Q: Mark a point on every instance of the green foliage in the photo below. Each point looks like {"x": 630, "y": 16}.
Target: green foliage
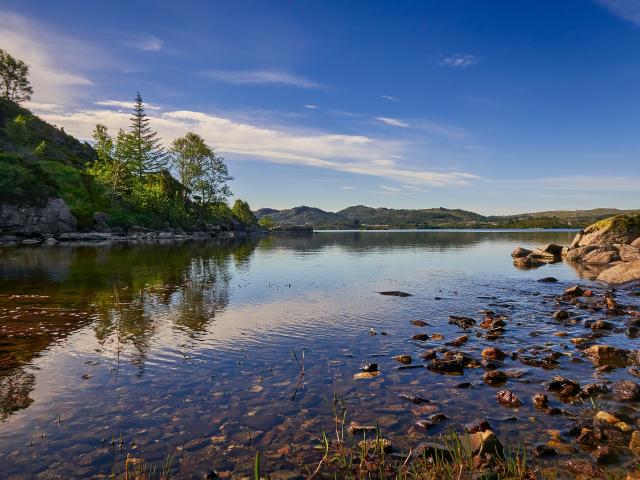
{"x": 23, "y": 181}
{"x": 16, "y": 131}
{"x": 41, "y": 149}
{"x": 143, "y": 144}
{"x": 14, "y": 81}
{"x": 267, "y": 222}
{"x": 243, "y": 213}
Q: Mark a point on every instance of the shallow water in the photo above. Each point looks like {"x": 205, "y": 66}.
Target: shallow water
{"x": 187, "y": 346}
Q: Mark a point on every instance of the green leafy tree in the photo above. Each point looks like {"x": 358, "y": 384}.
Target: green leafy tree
{"x": 17, "y": 131}
{"x": 243, "y": 213}
{"x": 189, "y": 156}
{"x": 114, "y": 166}
{"x": 147, "y": 154}
{"x": 14, "y": 81}
{"x": 267, "y": 222}
{"x": 41, "y": 149}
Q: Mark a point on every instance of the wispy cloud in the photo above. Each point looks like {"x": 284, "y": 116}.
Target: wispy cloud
{"x": 391, "y": 98}
{"x": 238, "y": 141}
{"x": 349, "y": 188}
{"x": 391, "y": 188}
{"x": 417, "y": 189}
{"x": 58, "y": 63}
{"x": 392, "y": 121}
{"x": 627, "y": 9}
{"x": 584, "y": 183}
{"x": 388, "y": 193}
{"x": 146, "y": 43}
{"x": 310, "y": 106}
{"x": 459, "y": 60}
{"x": 258, "y": 77}
{"x": 118, "y": 103}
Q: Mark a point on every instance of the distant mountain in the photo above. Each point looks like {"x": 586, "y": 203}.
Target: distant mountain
{"x": 265, "y": 211}
{"x": 302, "y": 215}
{"x": 390, "y": 216}
{"x": 361, "y": 216}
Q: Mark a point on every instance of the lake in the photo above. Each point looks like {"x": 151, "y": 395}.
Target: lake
{"x": 143, "y": 348}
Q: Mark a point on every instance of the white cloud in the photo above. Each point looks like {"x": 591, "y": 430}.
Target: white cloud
{"x": 56, "y": 63}
{"x": 146, "y": 42}
{"x": 392, "y": 121}
{"x": 461, "y": 61}
{"x": 390, "y": 98}
{"x": 257, "y": 77}
{"x": 391, "y": 188}
{"x": 349, "y": 188}
{"x": 417, "y": 189}
{"x": 627, "y": 9}
{"x": 243, "y": 141}
{"x": 121, "y": 104}
{"x": 310, "y": 106}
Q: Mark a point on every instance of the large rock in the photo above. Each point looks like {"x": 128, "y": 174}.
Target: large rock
{"x": 602, "y": 256}
{"x": 521, "y": 252}
{"x": 628, "y": 253}
{"x": 484, "y": 442}
{"x": 550, "y": 251}
{"x": 100, "y": 217}
{"x": 623, "y": 273}
{"x": 52, "y": 219}
{"x": 138, "y": 231}
{"x": 622, "y": 229}
{"x": 579, "y": 252}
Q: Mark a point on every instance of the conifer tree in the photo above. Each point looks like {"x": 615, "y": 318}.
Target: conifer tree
{"x": 148, "y": 156}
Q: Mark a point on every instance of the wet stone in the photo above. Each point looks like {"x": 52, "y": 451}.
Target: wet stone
{"x": 583, "y": 468}
{"x": 626, "y": 390}
{"x": 420, "y": 336}
{"x": 604, "y": 455}
{"x": 428, "y": 354}
{"x": 543, "y": 451}
{"x": 508, "y": 399}
{"x": 478, "y": 426}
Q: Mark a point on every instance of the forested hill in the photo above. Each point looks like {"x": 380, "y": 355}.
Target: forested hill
{"x": 374, "y": 218}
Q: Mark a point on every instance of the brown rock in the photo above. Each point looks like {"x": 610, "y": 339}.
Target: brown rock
{"x": 495, "y": 376}
{"x": 420, "y": 336}
{"x": 577, "y": 254}
{"x": 428, "y": 355}
{"x": 634, "y": 445}
{"x": 561, "y": 315}
{"x": 601, "y": 257}
{"x": 419, "y": 323}
{"x": 587, "y": 437}
{"x": 575, "y": 291}
{"x": 541, "y": 401}
{"x": 485, "y": 442}
{"x": 626, "y": 272}
{"x": 520, "y": 252}
{"x": 494, "y": 353}
{"x": 527, "y": 263}
{"x": 406, "y": 359}
{"x": 628, "y": 253}
{"x": 543, "y": 451}
{"x": 624, "y": 229}
{"x": 626, "y": 390}
{"x": 508, "y": 399}
{"x": 583, "y": 468}
{"x": 599, "y": 352}
{"x": 478, "y": 426}
{"x": 604, "y": 455}
{"x": 607, "y": 417}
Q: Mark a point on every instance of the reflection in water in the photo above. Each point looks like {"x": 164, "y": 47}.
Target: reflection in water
{"x": 188, "y": 345}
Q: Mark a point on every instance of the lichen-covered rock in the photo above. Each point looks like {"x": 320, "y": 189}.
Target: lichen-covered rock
{"x": 623, "y": 273}
{"x": 52, "y": 219}
{"x": 623, "y": 229}
{"x": 484, "y": 442}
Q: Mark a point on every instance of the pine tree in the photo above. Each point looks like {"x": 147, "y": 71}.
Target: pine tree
{"x": 148, "y": 154}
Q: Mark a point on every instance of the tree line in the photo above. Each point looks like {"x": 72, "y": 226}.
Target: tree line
{"x": 134, "y": 176}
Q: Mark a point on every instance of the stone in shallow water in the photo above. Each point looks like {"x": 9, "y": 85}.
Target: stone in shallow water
{"x": 396, "y": 293}
{"x": 508, "y": 399}
{"x": 626, "y": 390}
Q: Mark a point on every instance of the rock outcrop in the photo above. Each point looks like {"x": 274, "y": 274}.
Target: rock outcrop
{"x": 53, "y": 219}
{"x": 622, "y": 229}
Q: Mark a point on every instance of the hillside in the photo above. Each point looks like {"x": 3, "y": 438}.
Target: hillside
{"x": 364, "y": 217}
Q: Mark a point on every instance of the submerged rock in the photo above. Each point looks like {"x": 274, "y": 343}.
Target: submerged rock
{"x": 508, "y": 399}
{"x": 548, "y": 280}
{"x": 396, "y": 293}
{"x": 446, "y": 366}
{"x": 527, "y": 263}
{"x": 478, "y": 426}
{"x": 583, "y": 468}
{"x": 462, "y": 322}
{"x": 626, "y": 390}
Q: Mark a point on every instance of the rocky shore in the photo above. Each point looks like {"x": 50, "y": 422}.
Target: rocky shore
{"x": 54, "y": 224}
{"x": 609, "y": 248}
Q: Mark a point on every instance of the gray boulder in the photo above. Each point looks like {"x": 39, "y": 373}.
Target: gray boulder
{"x": 521, "y": 252}
{"x": 138, "y": 231}
{"x": 623, "y": 273}
{"x": 53, "y": 219}
{"x": 623, "y": 229}
{"x": 100, "y": 217}
{"x": 102, "y": 227}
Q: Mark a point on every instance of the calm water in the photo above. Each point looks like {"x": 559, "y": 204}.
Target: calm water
{"x": 186, "y": 346}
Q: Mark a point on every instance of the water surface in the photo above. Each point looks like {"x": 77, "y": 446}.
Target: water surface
{"x": 187, "y": 346}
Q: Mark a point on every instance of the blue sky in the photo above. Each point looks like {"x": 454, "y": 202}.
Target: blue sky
{"x": 491, "y": 106}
